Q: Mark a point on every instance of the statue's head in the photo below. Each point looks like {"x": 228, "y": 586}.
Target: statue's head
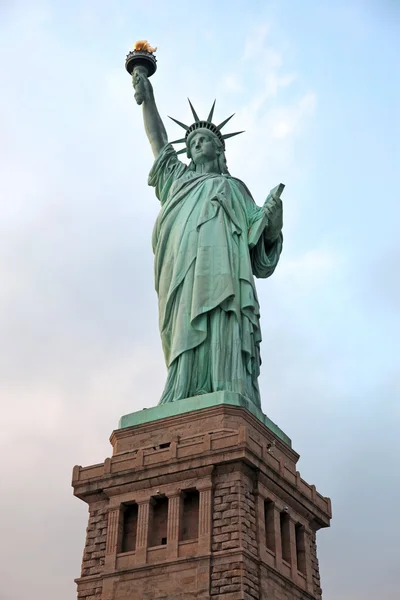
{"x": 204, "y": 141}
{"x": 202, "y": 146}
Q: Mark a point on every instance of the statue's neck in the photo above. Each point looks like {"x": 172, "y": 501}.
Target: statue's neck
{"x": 208, "y": 167}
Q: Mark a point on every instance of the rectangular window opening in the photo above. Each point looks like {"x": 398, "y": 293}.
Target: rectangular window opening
{"x": 301, "y": 547}
{"x": 189, "y": 527}
{"x": 129, "y": 527}
{"x": 285, "y": 536}
{"x": 165, "y": 445}
{"x": 158, "y": 521}
{"x": 269, "y": 517}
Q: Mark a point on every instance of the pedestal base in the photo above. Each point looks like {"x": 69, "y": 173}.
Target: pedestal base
{"x": 186, "y": 405}
{"x": 198, "y": 504}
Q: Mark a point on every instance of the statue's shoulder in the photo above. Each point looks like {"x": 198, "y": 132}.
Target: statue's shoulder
{"x": 167, "y": 154}
{"x": 241, "y": 186}
{"x": 166, "y": 165}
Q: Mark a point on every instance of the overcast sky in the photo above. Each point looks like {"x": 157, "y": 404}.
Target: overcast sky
{"x": 315, "y": 84}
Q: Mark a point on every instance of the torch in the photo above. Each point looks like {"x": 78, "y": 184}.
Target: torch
{"x": 141, "y": 60}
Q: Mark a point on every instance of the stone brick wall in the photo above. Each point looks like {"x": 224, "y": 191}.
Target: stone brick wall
{"x": 251, "y": 582}
{"x": 234, "y": 527}
{"x": 315, "y": 568}
{"x": 95, "y": 549}
{"x": 187, "y": 581}
{"x": 234, "y": 577}
{"x": 234, "y": 515}
{"x": 225, "y": 515}
{"x": 90, "y": 593}
{"x": 274, "y": 587}
{"x": 226, "y": 578}
{"x": 247, "y": 512}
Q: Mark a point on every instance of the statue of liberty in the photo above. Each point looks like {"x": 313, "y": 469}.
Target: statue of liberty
{"x": 210, "y": 240}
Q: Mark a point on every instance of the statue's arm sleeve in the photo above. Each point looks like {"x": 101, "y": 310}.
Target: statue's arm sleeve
{"x": 166, "y": 169}
{"x": 264, "y": 256}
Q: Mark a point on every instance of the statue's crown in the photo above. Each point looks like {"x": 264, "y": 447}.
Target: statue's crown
{"x": 200, "y": 124}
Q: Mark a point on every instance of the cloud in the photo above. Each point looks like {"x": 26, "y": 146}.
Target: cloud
{"x": 231, "y": 83}
{"x": 286, "y": 122}
{"x": 276, "y": 116}
{"x": 255, "y": 42}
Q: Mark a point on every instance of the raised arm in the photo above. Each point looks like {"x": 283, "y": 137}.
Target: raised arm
{"x": 153, "y": 124}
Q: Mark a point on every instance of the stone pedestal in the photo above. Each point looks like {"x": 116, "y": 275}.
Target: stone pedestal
{"x": 212, "y": 504}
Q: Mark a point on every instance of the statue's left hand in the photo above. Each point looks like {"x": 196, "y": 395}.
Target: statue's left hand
{"x": 274, "y": 210}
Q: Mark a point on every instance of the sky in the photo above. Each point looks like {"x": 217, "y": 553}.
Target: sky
{"x": 315, "y": 86}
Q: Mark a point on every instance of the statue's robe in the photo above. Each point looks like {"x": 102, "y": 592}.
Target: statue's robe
{"x": 208, "y": 241}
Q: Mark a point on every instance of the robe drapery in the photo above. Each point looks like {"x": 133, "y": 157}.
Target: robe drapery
{"x": 209, "y": 242}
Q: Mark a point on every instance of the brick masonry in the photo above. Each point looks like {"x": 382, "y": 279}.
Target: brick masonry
{"x": 95, "y": 550}
{"x": 315, "y": 568}
{"x": 234, "y": 527}
{"x": 235, "y": 463}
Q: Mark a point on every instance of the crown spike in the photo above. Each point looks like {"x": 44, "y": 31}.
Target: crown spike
{"x": 186, "y": 127}
{"x": 221, "y": 125}
{"x": 181, "y": 141}
{"x": 229, "y": 135}
{"x": 210, "y": 116}
{"x": 182, "y": 150}
{"x": 194, "y": 113}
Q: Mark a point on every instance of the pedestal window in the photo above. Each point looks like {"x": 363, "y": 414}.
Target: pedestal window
{"x": 300, "y": 548}
{"x": 189, "y": 527}
{"x": 285, "y": 536}
{"x": 158, "y": 523}
{"x": 129, "y": 527}
{"x": 269, "y": 517}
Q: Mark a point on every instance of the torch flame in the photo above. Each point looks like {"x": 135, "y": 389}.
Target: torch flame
{"x": 144, "y": 45}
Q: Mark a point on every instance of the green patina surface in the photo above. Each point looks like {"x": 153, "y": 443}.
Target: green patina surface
{"x": 180, "y": 407}
{"x": 210, "y": 241}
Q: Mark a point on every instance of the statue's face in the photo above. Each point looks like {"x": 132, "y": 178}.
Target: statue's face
{"x": 203, "y": 148}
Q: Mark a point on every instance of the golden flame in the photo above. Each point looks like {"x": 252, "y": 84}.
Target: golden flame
{"x": 144, "y": 46}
